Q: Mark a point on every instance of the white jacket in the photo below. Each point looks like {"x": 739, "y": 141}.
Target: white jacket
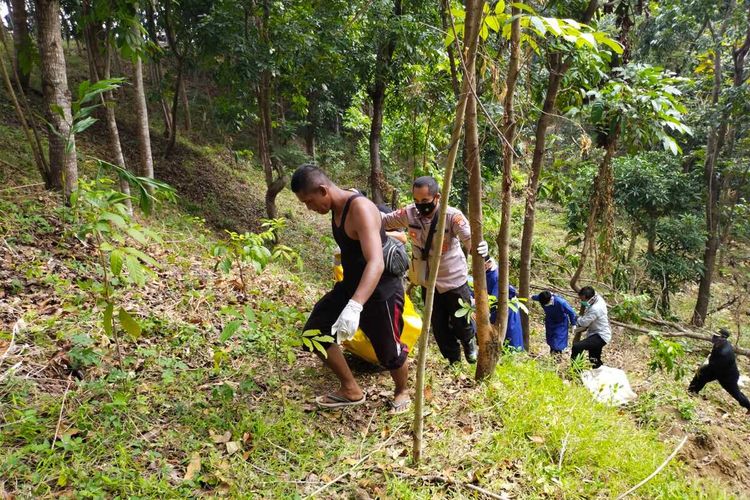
{"x": 596, "y": 320}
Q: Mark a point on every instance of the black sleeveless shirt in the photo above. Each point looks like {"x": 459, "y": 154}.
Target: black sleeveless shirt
{"x": 353, "y": 260}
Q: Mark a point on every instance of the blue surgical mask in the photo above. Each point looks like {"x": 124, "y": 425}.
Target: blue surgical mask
{"x": 585, "y": 303}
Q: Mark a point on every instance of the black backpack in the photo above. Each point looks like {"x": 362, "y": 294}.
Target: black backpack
{"x": 395, "y": 257}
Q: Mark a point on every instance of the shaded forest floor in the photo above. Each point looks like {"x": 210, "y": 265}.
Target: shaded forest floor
{"x": 188, "y": 415}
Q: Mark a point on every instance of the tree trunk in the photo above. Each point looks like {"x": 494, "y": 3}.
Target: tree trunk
{"x": 602, "y": 183}
{"x": 470, "y": 41}
{"x": 169, "y": 31}
{"x": 444, "y": 12}
{"x": 377, "y": 96}
{"x": 509, "y": 141}
{"x": 185, "y": 105}
{"x": 716, "y": 140}
{"x": 311, "y": 126}
{"x": 99, "y": 66}
{"x": 488, "y": 343}
{"x": 376, "y": 169}
{"x": 274, "y": 174}
{"x": 62, "y": 147}
{"x": 144, "y": 135}
{"x": 633, "y": 241}
{"x": 557, "y": 69}
{"x": 21, "y": 42}
{"x": 156, "y": 70}
{"x": 21, "y": 112}
{"x": 175, "y": 102}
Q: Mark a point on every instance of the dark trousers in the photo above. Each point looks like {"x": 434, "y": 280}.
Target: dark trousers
{"x": 728, "y": 382}
{"x": 448, "y": 329}
{"x": 594, "y": 345}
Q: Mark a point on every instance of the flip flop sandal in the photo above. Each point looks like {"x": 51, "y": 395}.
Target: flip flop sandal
{"x": 399, "y": 407}
{"x": 335, "y": 401}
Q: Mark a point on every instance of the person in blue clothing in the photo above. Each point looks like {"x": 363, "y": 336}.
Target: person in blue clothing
{"x": 513, "y": 333}
{"x": 558, "y": 317}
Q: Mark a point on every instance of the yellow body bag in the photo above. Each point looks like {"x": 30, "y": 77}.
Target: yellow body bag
{"x": 360, "y": 345}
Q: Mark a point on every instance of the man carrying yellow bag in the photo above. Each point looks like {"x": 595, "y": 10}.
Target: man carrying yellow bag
{"x": 360, "y": 345}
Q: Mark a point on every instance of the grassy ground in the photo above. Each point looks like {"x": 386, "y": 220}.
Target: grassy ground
{"x": 241, "y": 409}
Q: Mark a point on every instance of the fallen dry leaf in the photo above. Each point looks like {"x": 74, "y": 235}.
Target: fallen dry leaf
{"x": 193, "y": 467}
{"x": 233, "y": 447}
{"x": 536, "y": 439}
{"x": 220, "y": 438}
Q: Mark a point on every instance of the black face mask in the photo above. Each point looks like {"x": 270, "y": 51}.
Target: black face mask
{"x": 426, "y": 208}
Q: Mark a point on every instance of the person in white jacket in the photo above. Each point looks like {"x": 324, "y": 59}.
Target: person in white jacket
{"x": 593, "y": 325}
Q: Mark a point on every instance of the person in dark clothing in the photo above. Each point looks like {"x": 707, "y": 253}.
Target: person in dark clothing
{"x": 367, "y": 298}
{"x": 722, "y": 367}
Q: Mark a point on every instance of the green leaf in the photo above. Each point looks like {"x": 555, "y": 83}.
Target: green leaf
{"x": 136, "y": 235}
{"x": 129, "y": 324}
{"x": 249, "y": 314}
{"x": 57, "y": 109}
{"x": 320, "y": 348}
{"x": 492, "y": 23}
{"x": 115, "y": 261}
{"x": 229, "y": 330}
{"x": 135, "y": 270}
{"x": 107, "y": 321}
{"x": 524, "y": 7}
{"x": 484, "y": 32}
{"x": 147, "y": 259}
{"x": 553, "y": 25}
{"x": 308, "y": 343}
{"x": 612, "y": 44}
{"x": 113, "y": 218}
{"x": 500, "y": 7}
{"x": 539, "y": 26}
{"x": 82, "y": 125}
{"x": 449, "y": 38}
{"x": 589, "y": 39}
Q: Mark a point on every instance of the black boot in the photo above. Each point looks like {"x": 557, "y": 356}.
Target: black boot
{"x": 471, "y": 351}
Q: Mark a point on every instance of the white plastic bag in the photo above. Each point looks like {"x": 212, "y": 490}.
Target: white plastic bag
{"x": 608, "y": 385}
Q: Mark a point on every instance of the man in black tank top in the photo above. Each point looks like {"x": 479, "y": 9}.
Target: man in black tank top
{"x": 367, "y": 298}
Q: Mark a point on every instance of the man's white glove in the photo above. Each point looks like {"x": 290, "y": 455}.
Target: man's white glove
{"x": 346, "y": 325}
{"x": 482, "y": 249}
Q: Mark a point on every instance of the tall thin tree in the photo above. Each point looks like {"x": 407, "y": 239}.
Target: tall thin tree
{"x": 57, "y": 100}
{"x": 21, "y": 42}
{"x": 510, "y": 125}
{"x": 488, "y": 343}
{"x": 558, "y": 65}
{"x": 716, "y": 139}
{"x": 383, "y": 67}
{"x": 471, "y": 36}
{"x": 99, "y": 68}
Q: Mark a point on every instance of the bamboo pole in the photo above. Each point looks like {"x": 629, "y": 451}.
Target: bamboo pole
{"x": 472, "y": 39}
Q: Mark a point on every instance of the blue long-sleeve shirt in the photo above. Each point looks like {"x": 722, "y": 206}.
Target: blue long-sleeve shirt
{"x": 558, "y": 316}
{"x": 514, "y": 332}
